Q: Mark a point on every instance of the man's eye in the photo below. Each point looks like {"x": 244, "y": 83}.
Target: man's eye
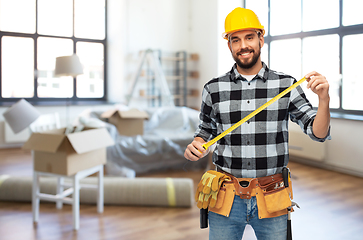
{"x": 235, "y": 40}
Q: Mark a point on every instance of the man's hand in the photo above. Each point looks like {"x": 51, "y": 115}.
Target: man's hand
{"x": 195, "y": 150}
{"x": 318, "y": 84}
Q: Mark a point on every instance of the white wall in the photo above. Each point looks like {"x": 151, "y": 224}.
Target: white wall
{"x": 117, "y": 48}
{"x": 177, "y": 25}
{"x": 204, "y": 35}
{"x": 344, "y": 152}
{"x": 345, "y": 149}
{"x": 136, "y": 25}
{"x": 158, "y": 24}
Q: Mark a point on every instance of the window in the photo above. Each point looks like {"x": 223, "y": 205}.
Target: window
{"x": 324, "y": 36}
{"x": 33, "y": 33}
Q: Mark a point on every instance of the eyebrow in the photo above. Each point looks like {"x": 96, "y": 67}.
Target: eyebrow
{"x": 248, "y": 35}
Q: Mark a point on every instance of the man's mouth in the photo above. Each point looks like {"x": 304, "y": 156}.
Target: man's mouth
{"x": 245, "y": 54}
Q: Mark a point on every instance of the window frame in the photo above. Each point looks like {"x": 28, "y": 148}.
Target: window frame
{"x": 341, "y": 31}
{"x": 74, "y": 100}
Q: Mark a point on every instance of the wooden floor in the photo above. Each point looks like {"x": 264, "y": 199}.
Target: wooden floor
{"x": 331, "y": 208}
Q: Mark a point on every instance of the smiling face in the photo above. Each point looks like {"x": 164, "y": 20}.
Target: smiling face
{"x": 245, "y": 47}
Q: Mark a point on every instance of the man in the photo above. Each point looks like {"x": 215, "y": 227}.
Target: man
{"x": 259, "y": 147}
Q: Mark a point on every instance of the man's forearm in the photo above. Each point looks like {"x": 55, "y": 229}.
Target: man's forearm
{"x": 322, "y": 120}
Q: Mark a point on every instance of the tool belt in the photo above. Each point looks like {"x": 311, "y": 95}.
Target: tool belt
{"x": 273, "y": 198}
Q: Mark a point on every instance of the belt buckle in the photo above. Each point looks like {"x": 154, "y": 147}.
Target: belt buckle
{"x": 244, "y": 185}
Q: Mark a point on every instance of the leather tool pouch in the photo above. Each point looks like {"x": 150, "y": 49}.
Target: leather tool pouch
{"x": 272, "y": 197}
{"x": 225, "y": 199}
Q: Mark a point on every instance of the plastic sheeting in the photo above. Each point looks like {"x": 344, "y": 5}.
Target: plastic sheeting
{"x": 166, "y": 135}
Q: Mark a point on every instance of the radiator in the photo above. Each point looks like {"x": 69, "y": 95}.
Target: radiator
{"x": 302, "y": 146}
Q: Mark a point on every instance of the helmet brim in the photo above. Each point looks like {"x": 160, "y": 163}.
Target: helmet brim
{"x": 226, "y": 35}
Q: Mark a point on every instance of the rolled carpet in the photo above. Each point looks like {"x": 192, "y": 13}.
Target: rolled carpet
{"x": 164, "y": 192}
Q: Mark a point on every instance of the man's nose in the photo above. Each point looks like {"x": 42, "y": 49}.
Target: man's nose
{"x": 243, "y": 44}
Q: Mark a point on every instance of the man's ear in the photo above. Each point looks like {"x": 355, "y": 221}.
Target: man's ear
{"x": 229, "y": 45}
{"x": 262, "y": 40}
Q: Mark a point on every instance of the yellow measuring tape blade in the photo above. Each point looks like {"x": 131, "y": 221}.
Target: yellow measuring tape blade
{"x": 249, "y": 116}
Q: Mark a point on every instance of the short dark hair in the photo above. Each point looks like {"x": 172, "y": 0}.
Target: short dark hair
{"x": 258, "y": 32}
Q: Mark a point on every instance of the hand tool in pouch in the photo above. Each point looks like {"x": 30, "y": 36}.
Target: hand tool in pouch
{"x": 203, "y": 218}
{"x": 286, "y": 176}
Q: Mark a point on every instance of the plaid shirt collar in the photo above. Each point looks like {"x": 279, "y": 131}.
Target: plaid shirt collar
{"x": 262, "y": 74}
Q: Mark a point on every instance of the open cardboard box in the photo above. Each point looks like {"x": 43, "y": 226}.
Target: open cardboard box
{"x": 56, "y": 152}
{"x": 128, "y": 123}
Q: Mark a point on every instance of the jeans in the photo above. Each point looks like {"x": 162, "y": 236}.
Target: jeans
{"x": 243, "y": 212}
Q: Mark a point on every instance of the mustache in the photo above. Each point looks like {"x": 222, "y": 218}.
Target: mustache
{"x": 245, "y": 50}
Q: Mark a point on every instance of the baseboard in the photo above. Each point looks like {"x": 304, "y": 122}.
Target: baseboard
{"x": 11, "y": 145}
{"x": 323, "y": 165}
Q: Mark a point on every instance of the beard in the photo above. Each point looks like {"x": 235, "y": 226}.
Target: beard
{"x": 247, "y": 64}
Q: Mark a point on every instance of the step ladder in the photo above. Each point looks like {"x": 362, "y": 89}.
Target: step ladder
{"x": 151, "y": 57}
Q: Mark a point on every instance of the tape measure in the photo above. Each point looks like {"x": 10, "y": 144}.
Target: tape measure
{"x": 249, "y": 116}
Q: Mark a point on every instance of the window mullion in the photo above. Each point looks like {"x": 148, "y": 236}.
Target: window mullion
{"x": 341, "y": 56}
{"x": 35, "y": 67}
{"x": 35, "y": 37}
{"x": 74, "y": 97}
{"x": 1, "y": 96}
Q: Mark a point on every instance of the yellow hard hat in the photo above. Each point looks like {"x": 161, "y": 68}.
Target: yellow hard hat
{"x": 240, "y": 19}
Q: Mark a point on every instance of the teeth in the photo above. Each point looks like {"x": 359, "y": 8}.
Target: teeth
{"x": 245, "y": 54}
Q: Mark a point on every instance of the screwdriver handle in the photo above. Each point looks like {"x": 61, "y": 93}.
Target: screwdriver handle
{"x": 203, "y": 218}
{"x": 285, "y": 176}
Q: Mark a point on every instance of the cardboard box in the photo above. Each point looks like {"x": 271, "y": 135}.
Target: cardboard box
{"x": 128, "y": 123}
{"x": 55, "y": 152}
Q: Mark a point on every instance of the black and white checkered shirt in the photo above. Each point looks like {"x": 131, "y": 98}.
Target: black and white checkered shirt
{"x": 259, "y": 147}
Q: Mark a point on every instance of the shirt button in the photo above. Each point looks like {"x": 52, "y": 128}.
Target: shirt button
{"x": 249, "y": 84}
{"x": 248, "y": 122}
{"x": 248, "y": 101}
{"x": 248, "y": 142}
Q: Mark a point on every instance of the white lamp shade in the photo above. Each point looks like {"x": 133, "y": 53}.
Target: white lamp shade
{"x": 20, "y": 115}
{"x": 68, "y": 66}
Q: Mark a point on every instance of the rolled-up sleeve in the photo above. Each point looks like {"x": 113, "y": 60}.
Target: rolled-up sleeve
{"x": 302, "y": 113}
